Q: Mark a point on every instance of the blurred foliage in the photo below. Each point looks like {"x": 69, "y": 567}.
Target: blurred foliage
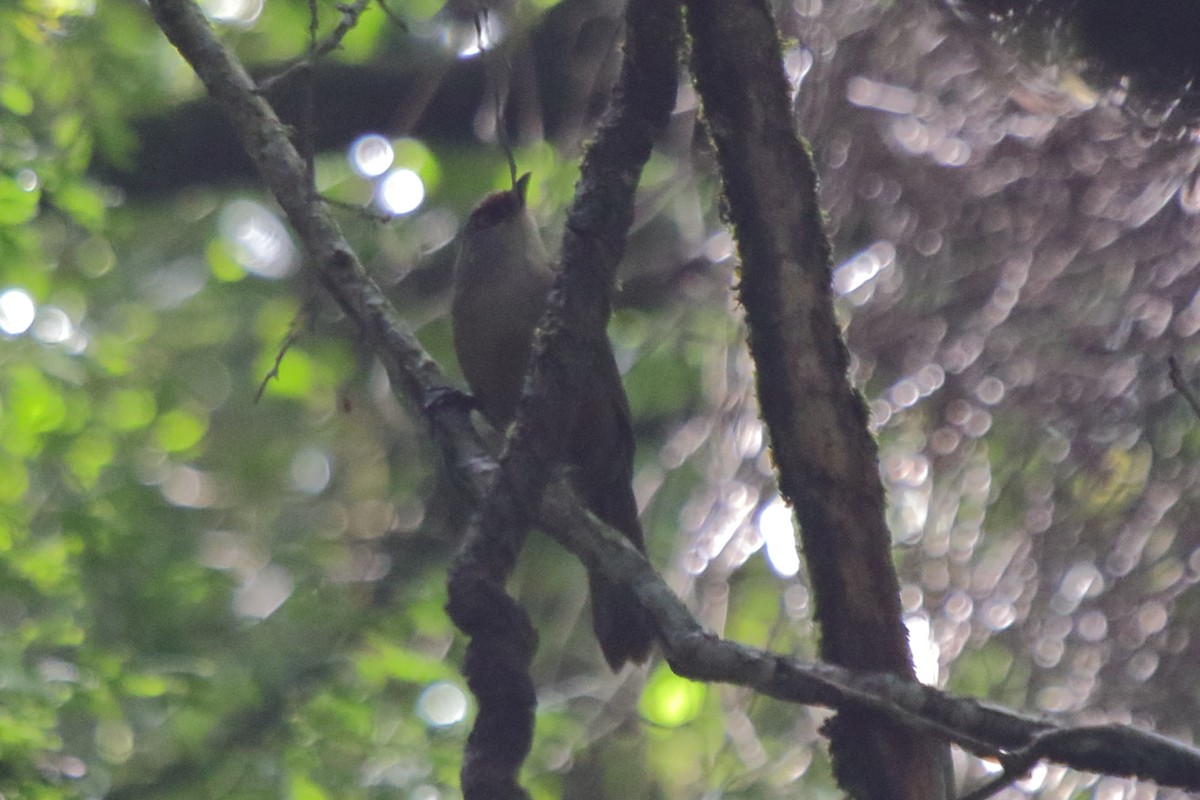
{"x": 202, "y": 594}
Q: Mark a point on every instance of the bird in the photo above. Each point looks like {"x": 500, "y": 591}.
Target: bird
{"x": 502, "y": 276}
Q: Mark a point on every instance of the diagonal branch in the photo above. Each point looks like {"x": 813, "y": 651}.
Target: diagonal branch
{"x": 987, "y": 730}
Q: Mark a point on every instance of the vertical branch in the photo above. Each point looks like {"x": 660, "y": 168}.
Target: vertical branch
{"x": 501, "y": 647}
{"x": 825, "y": 455}
{"x": 573, "y": 342}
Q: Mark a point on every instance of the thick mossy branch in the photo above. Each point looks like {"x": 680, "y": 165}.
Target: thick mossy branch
{"x": 817, "y": 423}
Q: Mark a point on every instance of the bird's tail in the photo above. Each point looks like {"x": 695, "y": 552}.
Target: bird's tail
{"x": 622, "y": 628}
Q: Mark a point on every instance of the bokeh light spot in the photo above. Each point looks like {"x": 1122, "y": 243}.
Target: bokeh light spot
{"x": 669, "y": 700}
{"x": 53, "y": 326}
{"x": 1142, "y": 665}
{"x": 371, "y": 155}
{"x": 310, "y": 470}
{"x": 187, "y": 487}
{"x": 1152, "y": 617}
{"x": 990, "y": 390}
{"x": 257, "y": 239}
{"x": 998, "y": 615}
{"x": 862, "y": 267}
{"x": 401, "y": 192}
{"x": 114, "y": 740}
{"x": 264, "y": 592}
{"x": 775, "y": 527}
{"x": 17, "y": 311}
{"x": 176, "y": 283}
{"x": 242, "y": 13}
{"x": 467, "y": 42}
{"x": 1092, "y": 626}
{"x": 442, "y": 704}
{"x": 924, "y": 648}
{"x": 27, "y": 180}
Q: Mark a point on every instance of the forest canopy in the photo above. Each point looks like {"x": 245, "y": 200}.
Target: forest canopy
{"x": 224, "y": 538}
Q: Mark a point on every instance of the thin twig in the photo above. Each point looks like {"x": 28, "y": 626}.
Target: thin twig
{"x": 293, "y": 335}
{"x": 481, "y": 39}
{"x": 308, "y": 110}
{"x": 392, "y": 16}
{"x": 1181, "y": 384}
{"x": 360, "y": 210}
{"x": 317, "y": 49}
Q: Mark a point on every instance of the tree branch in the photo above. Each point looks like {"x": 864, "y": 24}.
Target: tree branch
{"x": 825, "y": 456}
{"x": 570, "y": 354}
{"x": 984, "y": 729}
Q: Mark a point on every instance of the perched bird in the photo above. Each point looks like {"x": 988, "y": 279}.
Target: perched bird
{"x": 501, "y": 278}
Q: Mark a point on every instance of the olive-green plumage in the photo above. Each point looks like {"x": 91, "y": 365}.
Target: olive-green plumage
{"x": 501, "y": 280}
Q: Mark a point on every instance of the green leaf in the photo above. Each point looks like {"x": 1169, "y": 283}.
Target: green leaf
{"x": 178, "y": 430}
{"x": 83, "y": 203}
{"x": 16, "y": 98}
{"x": 37, "y": 405}
{"x": 224, "y": 266}
{"x": 46, "y": 564}
{"x": 303, "y": 788}
{"x": 17, "y": 206}
{"x": 88, "y": 455}
{"x": 387, "y": 662}
{"x": 145, "y": 685}
{"x": 130, "y": 409}
{"x": 14, "y": 482}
